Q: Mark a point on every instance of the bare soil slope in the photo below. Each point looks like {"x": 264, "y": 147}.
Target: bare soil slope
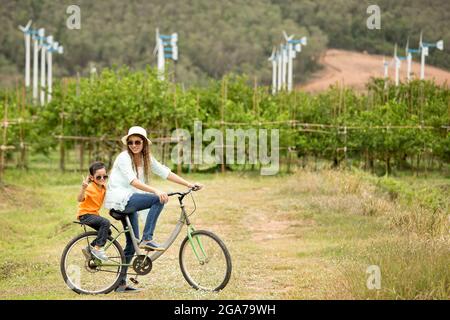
{"x": 354, "y": 69}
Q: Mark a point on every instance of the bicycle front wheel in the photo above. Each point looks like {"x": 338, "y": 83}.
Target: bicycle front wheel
{"x": 205, "y": 261}
{"x": 85, "y": 274}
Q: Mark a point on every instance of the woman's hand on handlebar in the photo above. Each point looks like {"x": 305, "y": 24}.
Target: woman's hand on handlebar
{"x": 163, "y": 197}
{"x": 195, "y": 186}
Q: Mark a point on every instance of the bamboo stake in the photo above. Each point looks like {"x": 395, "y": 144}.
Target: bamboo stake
{"x": 222, "y": 112}
{"x": 61, "y": 142}
{"x": 345, "y": 129}
{"x": 176, "y": 127}
{"x": 24, "y": 99}
{"x": 22, "y": 161}
{"x": 90, "y": 152}
{"x": 161, "y": 145}
{"x": 197, "y": 117}
{"x": 81, "y": 156}
{"x": 4, "y": 147}
{"x": 255, "y": 96}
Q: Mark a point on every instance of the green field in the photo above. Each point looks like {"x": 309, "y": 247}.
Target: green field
{"x": 309, "y": 235}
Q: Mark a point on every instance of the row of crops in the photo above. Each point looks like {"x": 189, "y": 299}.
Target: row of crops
{"x": 386, "y": 126}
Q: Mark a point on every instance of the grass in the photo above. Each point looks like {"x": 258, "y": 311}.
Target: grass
{"x": 309, "y": 235}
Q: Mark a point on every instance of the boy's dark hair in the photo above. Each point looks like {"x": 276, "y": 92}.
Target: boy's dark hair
{"x": 96, "y": 166}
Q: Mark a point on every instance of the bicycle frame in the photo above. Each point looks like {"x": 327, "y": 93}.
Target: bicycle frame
{"x": 176, "y": 231}
{"x": 184, "y": 219}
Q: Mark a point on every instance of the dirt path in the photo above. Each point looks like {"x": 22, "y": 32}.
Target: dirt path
{"x": 291, "y": 271}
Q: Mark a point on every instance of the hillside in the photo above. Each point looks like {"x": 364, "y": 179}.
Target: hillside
{"x": 354, "y": 69}
{"x": 215, "y": 37}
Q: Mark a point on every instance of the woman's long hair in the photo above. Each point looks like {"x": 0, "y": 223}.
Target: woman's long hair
{"x": 145, "y": 157}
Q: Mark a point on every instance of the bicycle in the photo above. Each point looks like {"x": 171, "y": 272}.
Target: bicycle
{"x": 203, "y": 257}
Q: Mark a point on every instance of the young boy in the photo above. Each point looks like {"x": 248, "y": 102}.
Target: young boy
{"x": 91, "y": 199}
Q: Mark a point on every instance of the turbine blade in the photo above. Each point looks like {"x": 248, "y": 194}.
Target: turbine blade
{"x": 25, "y": 29}
{"x": 272, "y": 56}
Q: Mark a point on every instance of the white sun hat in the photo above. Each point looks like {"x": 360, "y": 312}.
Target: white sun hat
{"x": 135, "y": 130}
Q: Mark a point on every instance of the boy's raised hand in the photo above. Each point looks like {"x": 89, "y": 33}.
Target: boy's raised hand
{"x": 85, "y": 182}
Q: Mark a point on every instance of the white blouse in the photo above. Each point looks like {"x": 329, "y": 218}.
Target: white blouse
{"x": 119, "y": 189}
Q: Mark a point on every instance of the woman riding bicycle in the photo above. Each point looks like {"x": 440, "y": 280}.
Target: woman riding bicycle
{"x": 128, "y": 191}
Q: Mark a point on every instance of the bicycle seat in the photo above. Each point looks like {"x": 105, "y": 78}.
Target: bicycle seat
{"x": 118, "y": 215}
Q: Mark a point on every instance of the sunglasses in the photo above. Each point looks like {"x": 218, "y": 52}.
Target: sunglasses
{"x": 101, "y": 177}
{"x": 136, "y": 143}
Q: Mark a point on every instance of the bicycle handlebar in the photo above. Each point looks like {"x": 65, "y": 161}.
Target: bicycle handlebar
{"x": 182, "y": 193}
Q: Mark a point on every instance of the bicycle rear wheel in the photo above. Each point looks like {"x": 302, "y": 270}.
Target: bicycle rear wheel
{"x": 205, "y": 261}
{"x": 86, "y": 274}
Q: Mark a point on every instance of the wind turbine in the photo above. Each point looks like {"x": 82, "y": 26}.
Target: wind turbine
{"x": 409, "y": 53}
{"x": 37, "y": 34}
{"x": 303, "y": 41}
{"x": 46, "y": 45}
{"x": 293, "y": 47}
{"x": 170, "y": 47}
{"x": 279, "y": 58}
{"x": 298, "y": 44}
{"x": 423, "y": 54}
{"x": 424, "y": 49}
{"x": 42, "y": 45}
{"x": 398, "y": 64}
{"x": 27, "y": 34}
{"x": 159, "y": 51}
{"x": 409, "y": 60}
{"x": 48, "y": 48}
{"x": 174, "y": 46}
{"x": 290, "y": 57}
{"x": 273, "y": 58}
{"x": 166, "y": 47}
{"x": 52, "y": 46}
{"x": 386, "y": 68}
{"x": 285, "y": 66}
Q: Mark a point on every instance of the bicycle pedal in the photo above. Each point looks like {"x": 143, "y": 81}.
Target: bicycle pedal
{"x": 134, "y": 281}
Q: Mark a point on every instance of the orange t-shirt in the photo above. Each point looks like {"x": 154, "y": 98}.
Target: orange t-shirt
{"x": 93, "y": 200}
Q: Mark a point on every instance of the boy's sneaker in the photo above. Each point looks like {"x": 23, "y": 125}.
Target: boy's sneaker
{"x": 150, "y": 245}
{"x": 86, "y": 253}
{"x": 125, "y": 289}
{"x": 99, "y": 254}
